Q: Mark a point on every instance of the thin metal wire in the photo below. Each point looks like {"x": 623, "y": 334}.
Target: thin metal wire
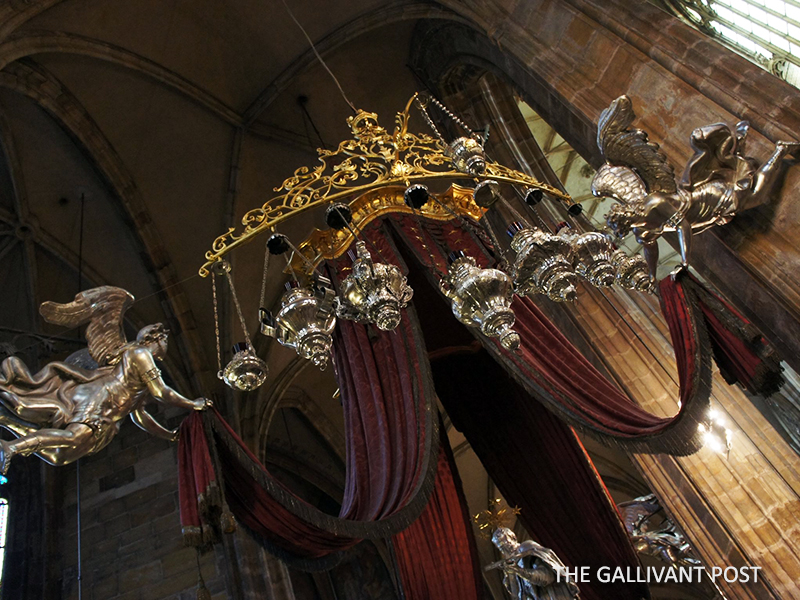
{"x": 358, "y": 234}
{"x": 216, "y": 321}
{"x": 262, "y": 300}
{"x": 238, "y": 308}
{"x": 479, "y": 232}
{"x": 317, "y": 54}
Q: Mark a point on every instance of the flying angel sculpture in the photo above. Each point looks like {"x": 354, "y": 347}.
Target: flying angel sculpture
{"x": 66, "y": 411}
{"x": 655, "y": 537}
{"x": 718, "y": 181}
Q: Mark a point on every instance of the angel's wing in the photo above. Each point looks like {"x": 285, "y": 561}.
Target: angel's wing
{"x": 622, "y": 146}
{"x": 103, "y": 308}
{"x": 636, "y": 512}
{"x": 620, "y": 183}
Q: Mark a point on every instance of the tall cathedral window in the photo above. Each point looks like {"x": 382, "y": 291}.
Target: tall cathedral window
{"x": 765, "y": 31}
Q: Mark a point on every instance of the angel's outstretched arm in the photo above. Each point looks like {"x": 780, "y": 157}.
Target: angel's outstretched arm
{"x": 684, "y": 230}
{"x": 651, "y": 256}
{"x": 151, "y": 375}
{"x": 145, "y": 421}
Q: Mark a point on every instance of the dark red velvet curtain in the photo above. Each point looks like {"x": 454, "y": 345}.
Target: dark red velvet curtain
{"x": 538, "y": 464}
{"x": 553, "y": 371}
{"x": 392, "y": 450}
{"x": 436, "y": 555}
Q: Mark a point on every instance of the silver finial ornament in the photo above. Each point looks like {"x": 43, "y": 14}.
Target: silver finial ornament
{"x": 245, "y": 371}
{"x": 591, "y": 253}
{"x": 305, "y": 322}
{"x": 543, "y": 264}
{"x": 482, "y": 298}
{"x": 632, "y": 272}
{"x": 467, "y": 155}
{"x": 373, "y": 292}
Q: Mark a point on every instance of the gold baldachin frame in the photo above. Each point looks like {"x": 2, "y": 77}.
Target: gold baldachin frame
{"x": 373, "y": 159}
{"x": 327, "y": 244}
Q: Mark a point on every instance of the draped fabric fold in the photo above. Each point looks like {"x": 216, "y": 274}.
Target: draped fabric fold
{"x": 436, "y": 555}
{"x": 554, "y": 371}
{"x": 539, "y": 465}
{"x": 741, "y": 352}
{"x": 391, "y": 443}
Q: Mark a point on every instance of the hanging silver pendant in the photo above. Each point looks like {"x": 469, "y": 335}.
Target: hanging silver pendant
{"x": 592, "y": 257}
{"x": 482, "y": 298}
{"x": 543, "y": 264}
{"x": 305, "y": 322}
{"x": 373, "y": 292}
{"x": 632, "y": 272}
{"x": 246, "y": 371}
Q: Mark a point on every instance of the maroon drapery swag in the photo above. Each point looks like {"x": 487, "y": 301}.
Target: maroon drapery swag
{"x": 437, "y": 556}
{"x": 392, "y": 443}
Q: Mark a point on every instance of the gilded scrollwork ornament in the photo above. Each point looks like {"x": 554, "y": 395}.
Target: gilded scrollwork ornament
{"x": 372, "y": 159}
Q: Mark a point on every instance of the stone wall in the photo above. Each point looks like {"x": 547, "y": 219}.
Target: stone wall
{"x": 131, "y": 541}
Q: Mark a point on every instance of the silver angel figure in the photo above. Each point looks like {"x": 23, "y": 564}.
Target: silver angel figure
{"x": 655, "y": 537}
{"x": 531, "y": 571}
{"x": 718, "y": 181}
{"x": 64, "y": 411}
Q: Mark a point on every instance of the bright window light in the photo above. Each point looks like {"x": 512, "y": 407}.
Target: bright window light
{"x": 765, "y": 31}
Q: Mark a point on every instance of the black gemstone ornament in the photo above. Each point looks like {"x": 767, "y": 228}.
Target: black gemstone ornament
{"x": 575, "y": 210}
{"x": 416, "y": 195}
{"x": 338, "y": 216}
{"x": 454, "y": 256}
{"x": 533, "y": 196}
{"x": 278, "y": 244}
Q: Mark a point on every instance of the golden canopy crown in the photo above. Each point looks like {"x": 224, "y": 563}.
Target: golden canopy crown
{"x": 372, "y": 159}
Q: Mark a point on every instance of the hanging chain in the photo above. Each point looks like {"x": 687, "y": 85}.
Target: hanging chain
{"x": 262, "y": 300}
{"x": 238, "y": 307}
{"x": 420, "y": 236}
{"x": 424, "y": 110}
{"x": 216, "y": 321}
{"x": 480, "y": 232}
{"x": 423, "y": 106}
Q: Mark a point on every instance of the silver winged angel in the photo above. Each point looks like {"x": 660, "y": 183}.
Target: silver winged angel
{"x": 719, "y": 180}
{"x": 531, "y": 571}
{"x": 662, "y": 539}
{"x": 65, "y": 411}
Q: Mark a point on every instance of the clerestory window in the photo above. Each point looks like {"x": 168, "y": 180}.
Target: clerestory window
{"x": 765, "y": 31}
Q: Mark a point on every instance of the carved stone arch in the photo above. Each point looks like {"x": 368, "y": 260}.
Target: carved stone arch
{"x": 30, "y": 43}
{"x": 446, "y": 48}
{"x": 34, "y": 82}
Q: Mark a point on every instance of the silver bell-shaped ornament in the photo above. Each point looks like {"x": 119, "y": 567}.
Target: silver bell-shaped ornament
{"x": 467, "y": 155}
{"x": 373, "y": 292}
{"x": 481, "y": 298}
{"x": 632, "y": 272}
{"x": 543, "y": 264}
{"x": 305, "y": 321}
{"x": 246, "y": 371}
{"x": 591, "y": 253}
